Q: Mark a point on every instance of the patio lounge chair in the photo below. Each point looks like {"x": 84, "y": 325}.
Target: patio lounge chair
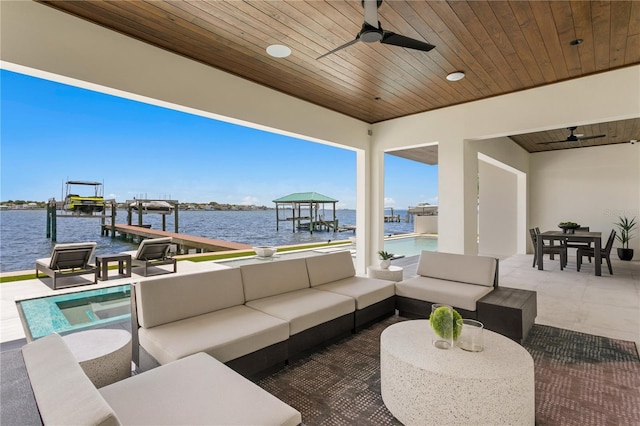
{"x": 68, "y": 260}
{"x": 152, "y": 252}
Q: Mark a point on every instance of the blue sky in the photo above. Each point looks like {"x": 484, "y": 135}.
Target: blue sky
{"x": 51, "y": 132}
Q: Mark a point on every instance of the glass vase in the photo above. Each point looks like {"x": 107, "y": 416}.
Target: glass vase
{"x": 441, "y": 320}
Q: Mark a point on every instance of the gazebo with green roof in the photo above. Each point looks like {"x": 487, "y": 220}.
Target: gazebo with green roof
{"x": 311, "y": 201}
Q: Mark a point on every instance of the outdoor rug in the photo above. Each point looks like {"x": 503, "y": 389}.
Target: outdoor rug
{"x": 580, "y": 380}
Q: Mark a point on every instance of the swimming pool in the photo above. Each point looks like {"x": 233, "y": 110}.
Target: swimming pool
{"x": 65, "y": 313}
{"x": 411, "y": 245}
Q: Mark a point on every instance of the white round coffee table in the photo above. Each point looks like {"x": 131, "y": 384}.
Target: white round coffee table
{"x": 422, "y": 384}
{"x": 104, "y": 354}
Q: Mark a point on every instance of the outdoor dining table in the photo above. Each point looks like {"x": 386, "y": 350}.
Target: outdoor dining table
{"x": 595, "y": 237}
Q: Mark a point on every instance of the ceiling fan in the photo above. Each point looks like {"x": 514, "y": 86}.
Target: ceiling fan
{"x": 372, "y": 31}
{"x": 574, "y": 138}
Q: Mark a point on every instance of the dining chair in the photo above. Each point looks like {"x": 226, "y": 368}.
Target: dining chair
{"x": 560, "y": 249}
{"x": 605, "y": 252}
{"x": 580, "y": 244}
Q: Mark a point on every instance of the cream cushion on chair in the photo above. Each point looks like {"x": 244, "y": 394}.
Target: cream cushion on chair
{"x": 175, "y": 297}
{"x": 51, "y": 262}
{"x": 478, "y": 270}
{"x": 226, "y": 334}
{"x": 63, "y": 392}
{"x": 197, "y": 390}
{"x": 366, "y": 291}
{"x": 274, "y": 277}
{"x": 202, "y": 312}
{"x": 335, "y": 272}
{"x": 434, "y": 290}
{"x": 331, "y": 267}
{"x": 305, "y": 308}
{"x": 141, "y": 248}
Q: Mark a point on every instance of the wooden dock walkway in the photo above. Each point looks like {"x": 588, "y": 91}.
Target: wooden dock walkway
{"x": 184, "y": 242}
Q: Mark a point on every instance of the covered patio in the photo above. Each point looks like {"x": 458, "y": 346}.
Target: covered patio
{"x": 474, "y": 150}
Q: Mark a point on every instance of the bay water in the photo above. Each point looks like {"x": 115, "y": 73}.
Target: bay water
{"x": 23, "y": 232}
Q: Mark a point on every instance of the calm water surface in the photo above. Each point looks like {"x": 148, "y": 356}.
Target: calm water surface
{"x": 23, "y": 232}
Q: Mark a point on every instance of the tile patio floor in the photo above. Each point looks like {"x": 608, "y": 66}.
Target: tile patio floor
{"x": 607, "y": 306}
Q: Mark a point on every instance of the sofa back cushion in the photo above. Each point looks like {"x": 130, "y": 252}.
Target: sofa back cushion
{"x": 63, "y": 392}
{"x": 478, "y": 270}
{"x": 331, "y": 267}
{"x": 274, "y": 277}
{"x": 170, "y": 298}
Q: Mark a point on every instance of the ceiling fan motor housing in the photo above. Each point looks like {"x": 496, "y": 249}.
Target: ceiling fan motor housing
{"x": 370, "y": 34}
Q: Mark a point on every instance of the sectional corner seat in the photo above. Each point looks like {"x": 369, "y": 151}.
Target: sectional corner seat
{"x": 256, "y": 316}
{"x": 453, "y": 279}
{"x": 195, "y": 390}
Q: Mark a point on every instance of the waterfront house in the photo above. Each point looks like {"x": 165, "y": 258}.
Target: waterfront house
{"x": 532, "y": 189}
{"x": 477, "y": 158}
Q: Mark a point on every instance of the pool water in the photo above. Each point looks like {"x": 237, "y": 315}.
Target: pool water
{"x": 65, "y": 313}
{"x": 410, "y": 246}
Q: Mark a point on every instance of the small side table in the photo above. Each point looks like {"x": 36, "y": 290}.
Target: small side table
{"x": 393, "y": 273}
{"x": 124, "y": 264}
{"x": 508, "y": 311}
{"x": 104, "y": 354}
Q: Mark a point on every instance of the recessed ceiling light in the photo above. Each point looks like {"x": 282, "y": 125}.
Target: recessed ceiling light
{"x": 455, "y": 76}
{"x": 278, "y": 51}
{"x": 576, "y": 42}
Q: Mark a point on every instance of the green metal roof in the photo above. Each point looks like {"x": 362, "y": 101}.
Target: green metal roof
{"x": 305, "y": 197}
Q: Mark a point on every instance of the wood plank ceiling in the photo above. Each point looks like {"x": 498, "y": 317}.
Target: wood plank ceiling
{"x": 501, "y": 46}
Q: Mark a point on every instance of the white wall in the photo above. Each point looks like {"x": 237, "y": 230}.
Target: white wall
{"x": 464, "y": 130}
{"x": 590, "y": 186}
{"x": 498, "y": 206}
{"x": 425, "y": 224}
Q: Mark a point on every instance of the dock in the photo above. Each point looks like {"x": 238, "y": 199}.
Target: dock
{"x": 183, "y": 241}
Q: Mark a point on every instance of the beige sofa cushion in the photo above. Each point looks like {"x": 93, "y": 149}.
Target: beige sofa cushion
{"x": 226, "y": 334}
{"x": 197, "y": 390}
{"x": 365, "y": 291}
{"x": 331, "y": 267}
{"x": 63, "y": 392}
{"x": 456, "y": 294}
{"x": 274, "y": 277}
{"x": 305, "y": 308}
{"x": 170, "y": 298}
{"x": 457, "y": 267}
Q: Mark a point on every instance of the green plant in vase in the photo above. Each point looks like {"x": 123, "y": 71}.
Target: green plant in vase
{"x": 385, "y": 259}
{"x": 625, "y": 228}
{"x": 442, "y": 323}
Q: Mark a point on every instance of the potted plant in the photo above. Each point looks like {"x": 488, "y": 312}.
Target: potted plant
{"x": 625, "y": 227}
{"x": 568, "y": 227}
{"x": 444, "y": 322}
{"x": 385, "y": 259}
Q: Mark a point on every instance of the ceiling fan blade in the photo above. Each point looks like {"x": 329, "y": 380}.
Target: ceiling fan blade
{"x": 584, "y": 138}
{"x": 562, "y": 141}
{"x": 402, "y": 41}
{"x": 371, "y": 12}
{"x": 357, "y": 39}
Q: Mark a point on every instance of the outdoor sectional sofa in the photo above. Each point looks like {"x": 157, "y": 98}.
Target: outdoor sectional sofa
{"x": 453, "y": 279}
{"x": 257, "y": 316}
{"x": 196, "y": 390}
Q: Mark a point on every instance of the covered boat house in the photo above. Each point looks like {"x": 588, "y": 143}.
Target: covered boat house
{"x": 306, "y": 211}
